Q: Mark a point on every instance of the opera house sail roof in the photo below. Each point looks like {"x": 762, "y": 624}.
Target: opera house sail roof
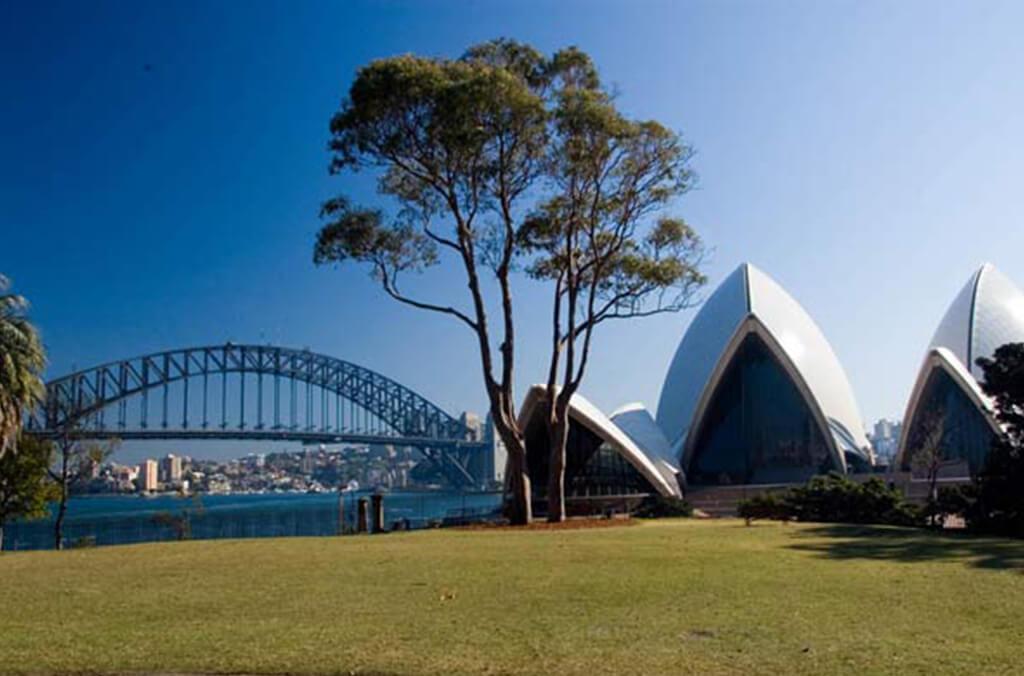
{"x": 987, "y": 313}
{"x": 755, "y": 393}
{"x": 601, "y": 458}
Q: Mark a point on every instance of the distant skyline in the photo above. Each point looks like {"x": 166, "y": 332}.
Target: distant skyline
{"x": 161, "y": 167}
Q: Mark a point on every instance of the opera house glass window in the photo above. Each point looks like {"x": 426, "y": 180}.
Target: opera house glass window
{"x": 965, "y": 436}
{"x": 593, "y": 468}
{"x": 757, "y": 428}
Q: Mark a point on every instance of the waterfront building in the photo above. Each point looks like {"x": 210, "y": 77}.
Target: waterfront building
{"x": 170, "y": 469}
{"x": 496, "y": 456}
{"x": 755, "y": 394}
{"x": 986, "y": 314}
{"x": 148, "y": 477}
{"x": 308, "y": 463}
{"x": 124, "y": 477}
{"x": 885, "y": 438}
{"x": 883, "y": 429}
{"x": 471, "y": 421}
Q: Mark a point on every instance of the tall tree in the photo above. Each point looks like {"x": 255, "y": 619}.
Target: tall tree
{"x": 998, "y": 505}
{"x": 485, "y": 159}
{"x": 22, "y": 360}
{"x": 927, "y": 456}
{"x": 603, "y": 238}
{"x": 74, "y": 463}
{"x": 24, "y": 488}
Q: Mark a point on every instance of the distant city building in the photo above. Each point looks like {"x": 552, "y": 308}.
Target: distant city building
{"x": 382, "y": 452}
{"x": 170, "y": 469}
{"x": 124, "y": 477}
{"x": 885, "y": 439}
{"x": 308, "y": 462}
{"x": 471, "y": 421}
{"x": 148, "y": 478}
{"x": 497, "y": 456}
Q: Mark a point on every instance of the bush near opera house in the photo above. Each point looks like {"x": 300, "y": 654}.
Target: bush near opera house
{"x": 661, "y": 507}
{"x": 770, "y": 506}
{"x": 834, "y": 498}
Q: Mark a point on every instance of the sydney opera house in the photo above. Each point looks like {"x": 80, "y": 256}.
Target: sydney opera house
{"x": 756, "y": 395}
{"x": 947, "y": 406}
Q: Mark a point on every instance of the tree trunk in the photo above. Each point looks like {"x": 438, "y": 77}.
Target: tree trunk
{"x": 58, "y": 528}
{"x": 558, "y": 437}
{"x": 933, "y": 494}
{"x": 517, "y": 481}
{"x": 1, "y": 536}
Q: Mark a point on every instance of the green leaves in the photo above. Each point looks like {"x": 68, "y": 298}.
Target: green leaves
{"x": 1004, "y": 382}
{"x": 440, "y": 121}
{"x": 360, "y": 235}
{"x": 506, "y": 159}
{"x": 24, "y": 488}
{"x": 22, "y": 360}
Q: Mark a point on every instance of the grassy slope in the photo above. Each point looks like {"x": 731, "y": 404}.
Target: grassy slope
{"x": 665, "y": 597}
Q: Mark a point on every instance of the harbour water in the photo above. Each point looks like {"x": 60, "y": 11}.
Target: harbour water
{"x": 113, "y": 520}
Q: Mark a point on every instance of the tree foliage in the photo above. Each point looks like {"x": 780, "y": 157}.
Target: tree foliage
{"x": 24, "y": 489}
{"x": 507, "y": 159}
{"x": 22, "y": 360}
{"x": 996, "y": 501}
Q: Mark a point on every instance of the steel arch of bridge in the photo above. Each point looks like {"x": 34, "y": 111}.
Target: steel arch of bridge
{"x": 75, "y": 403}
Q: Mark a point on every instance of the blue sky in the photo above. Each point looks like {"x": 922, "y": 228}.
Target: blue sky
{"x": 161, "y": 166}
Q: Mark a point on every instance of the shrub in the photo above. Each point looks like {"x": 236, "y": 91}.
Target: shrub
{"x": 834, "y": 498}
{"x": 661, "y": 507}
{"x": 84, "y": 542}
{"x": 765, "y": 506}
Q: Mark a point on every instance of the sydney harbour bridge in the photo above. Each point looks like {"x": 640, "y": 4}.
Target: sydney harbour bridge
{"x": 256, "y": 393}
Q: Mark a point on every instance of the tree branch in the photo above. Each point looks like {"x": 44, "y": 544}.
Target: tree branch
{"x": 388, "y": 282}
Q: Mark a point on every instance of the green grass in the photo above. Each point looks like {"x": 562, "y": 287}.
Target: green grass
{"x": 662, "y": 597}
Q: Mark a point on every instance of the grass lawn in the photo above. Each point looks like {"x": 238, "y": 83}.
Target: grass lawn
{"x": 671, "y": 597}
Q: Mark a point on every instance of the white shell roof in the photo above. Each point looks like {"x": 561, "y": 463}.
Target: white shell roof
{"x": 697, "y": 354}
{"x": 987, "y": 313}
{"x": 943, "y": 358}
{"x": 590, "y": 416}
{"x": 750, "y": 292}
{"x": 638, "y": 423}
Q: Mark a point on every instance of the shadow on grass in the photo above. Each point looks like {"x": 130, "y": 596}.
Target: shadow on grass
{"x": 883, "y": 543}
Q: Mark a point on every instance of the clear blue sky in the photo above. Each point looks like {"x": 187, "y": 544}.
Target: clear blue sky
{"x": 161, "y": 165}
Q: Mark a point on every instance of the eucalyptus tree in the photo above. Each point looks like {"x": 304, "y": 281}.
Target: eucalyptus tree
{"x": 603, "y": 238}
{"x": 502, "y": 160}
{"x": 22, "y": 360}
